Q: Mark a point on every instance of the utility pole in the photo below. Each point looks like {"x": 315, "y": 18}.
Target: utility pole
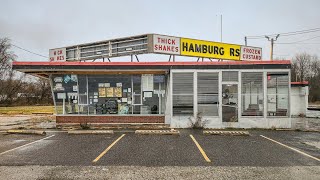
{"x": 272, "y": 42}
{"x": 245, "y": 40}
{"x": 221, "y": 28}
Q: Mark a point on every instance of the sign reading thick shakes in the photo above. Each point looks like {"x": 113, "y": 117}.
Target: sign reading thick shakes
{"x": 57, "y": 54}
{"x": 166, "y": 44}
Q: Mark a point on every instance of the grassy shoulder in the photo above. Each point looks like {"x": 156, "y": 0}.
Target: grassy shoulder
{"x": 26, "y": 110}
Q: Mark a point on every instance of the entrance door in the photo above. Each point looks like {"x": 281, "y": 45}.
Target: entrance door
{"x": 229, "y": 103}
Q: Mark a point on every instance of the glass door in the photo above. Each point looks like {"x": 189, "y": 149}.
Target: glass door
{"x": 229, "y": 103}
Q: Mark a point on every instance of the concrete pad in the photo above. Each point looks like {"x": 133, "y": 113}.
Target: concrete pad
{"x": 158, "y": 132}
{"x": 16, "y": 131}
{"x": 226, "y": 133}
{"x": 90, "y": 132}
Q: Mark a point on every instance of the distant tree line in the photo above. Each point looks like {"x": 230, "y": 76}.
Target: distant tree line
{"x": 16, "y": 88}
{"x": 305, "y": 67}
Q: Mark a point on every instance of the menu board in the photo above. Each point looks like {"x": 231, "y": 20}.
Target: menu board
{"x": 147, "y": 82}
{"x": 118, "y": 92}
{"x": 102, "y": 92}
{"x": 109, "y": 91}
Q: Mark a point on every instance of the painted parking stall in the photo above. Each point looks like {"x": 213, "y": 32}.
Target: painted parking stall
{"x": 191, "y": 148}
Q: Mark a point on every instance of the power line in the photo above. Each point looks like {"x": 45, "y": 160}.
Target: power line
{"x": 29, "y": 51}
{"x": 299, "y": 41}
{"x": 286, "y": 33}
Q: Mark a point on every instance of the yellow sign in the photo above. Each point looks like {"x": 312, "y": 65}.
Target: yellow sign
{"x": 208, "y": 49}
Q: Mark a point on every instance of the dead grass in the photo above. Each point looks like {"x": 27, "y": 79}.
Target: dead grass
{"x": 26, "y": 110}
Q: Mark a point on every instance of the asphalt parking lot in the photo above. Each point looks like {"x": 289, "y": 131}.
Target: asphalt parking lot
{"x": 129, "y": 149}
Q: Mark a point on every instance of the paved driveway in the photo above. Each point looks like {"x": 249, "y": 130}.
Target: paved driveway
{"x": 131, "y": 149}
{"x": 192, "y": 155}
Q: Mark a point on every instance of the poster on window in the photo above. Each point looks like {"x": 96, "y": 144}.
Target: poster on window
{"x": 118, "y": 92}
{"x": 147, "y": 82}
{"x": 109, "y": 91}
{"x": 102, "y": 92}
{"x": 74, "y": 78}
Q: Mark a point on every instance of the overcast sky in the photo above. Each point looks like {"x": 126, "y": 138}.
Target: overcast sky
{"x": 38, "y": 25}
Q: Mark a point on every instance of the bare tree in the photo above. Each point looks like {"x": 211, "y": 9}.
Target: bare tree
{"x": 15, "y": 88}
{"x": 6, "y": 56}
{"x": 305, "y": 67}
{"x": 43, "y": 91}
{"x": 302, "y": 65}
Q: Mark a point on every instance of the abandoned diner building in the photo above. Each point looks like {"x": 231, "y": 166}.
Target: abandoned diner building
{"x": 227, "y": 85}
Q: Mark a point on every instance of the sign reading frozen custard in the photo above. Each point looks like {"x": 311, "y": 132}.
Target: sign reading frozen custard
{"x": 250, "y": 53}
{"x": 166, "y": 44}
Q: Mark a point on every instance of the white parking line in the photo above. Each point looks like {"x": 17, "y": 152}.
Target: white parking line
{"x": 294, "y": 149}
{"x": 26, "y": 145}
{"x": 63, "y": 131}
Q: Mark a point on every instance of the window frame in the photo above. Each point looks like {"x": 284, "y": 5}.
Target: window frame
{"x": 263, "y": 94}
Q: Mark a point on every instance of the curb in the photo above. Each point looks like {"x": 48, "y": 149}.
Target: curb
{"x": 227, "y": 133}
{"x": 74, "y": 132}
{"x": 301, "y": 130}
{"x": 38, "y": 132}
{"x": 158, "y": 132}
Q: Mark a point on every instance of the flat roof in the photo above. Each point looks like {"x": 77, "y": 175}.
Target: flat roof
{"x": 303, "y": 83}
{"x": 42, "y": 68}
{"x": 215, "y": 63}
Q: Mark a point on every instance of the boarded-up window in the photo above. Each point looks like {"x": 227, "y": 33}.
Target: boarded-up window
{"x": 182, "y": 93}
{"x": 208, "y": 90}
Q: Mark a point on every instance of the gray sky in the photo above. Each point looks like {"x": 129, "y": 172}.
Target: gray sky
{"x": 39, "y": 25}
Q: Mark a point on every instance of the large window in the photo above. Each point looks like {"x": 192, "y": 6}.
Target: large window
{"x": 208, "y": 90}
{"x": 65, "y": 88}
{"x": 182, "y": 93}
{"x": 278, "y": 94}
{"x": 109, "y": 94}
{"x": 252, "y": 93}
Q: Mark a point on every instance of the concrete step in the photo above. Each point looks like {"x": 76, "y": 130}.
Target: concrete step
{"x": 117, "y": 126}
{"x": 19, "y": 131}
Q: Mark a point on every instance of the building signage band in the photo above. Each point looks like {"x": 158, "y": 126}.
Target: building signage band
{"x": 204, "y": 49}
{"x": 155, "y": 43}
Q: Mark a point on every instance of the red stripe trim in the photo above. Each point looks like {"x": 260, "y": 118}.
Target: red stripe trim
{"x": 147, "y": 63}
{"x": 300, "y": 83}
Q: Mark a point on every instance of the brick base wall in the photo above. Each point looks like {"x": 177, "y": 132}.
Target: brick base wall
{"x": 109, "y": 119}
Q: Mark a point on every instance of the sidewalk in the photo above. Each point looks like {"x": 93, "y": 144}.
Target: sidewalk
{"x": 26, "y": 121}
{"x": 306, "y": 124}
